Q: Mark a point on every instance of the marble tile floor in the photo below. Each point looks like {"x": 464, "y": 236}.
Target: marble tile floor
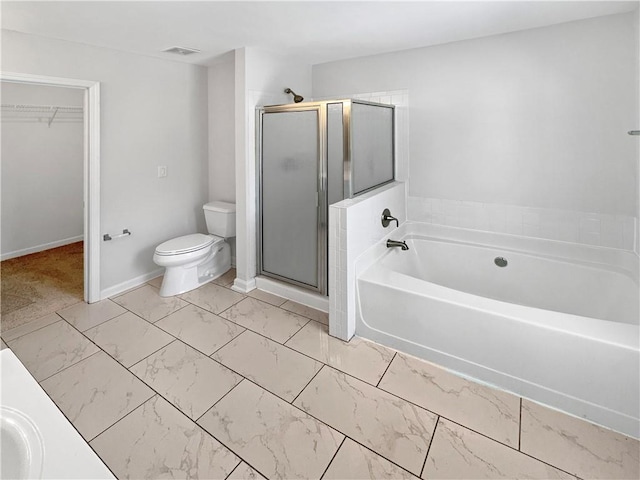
{"x": 215, "y": 384}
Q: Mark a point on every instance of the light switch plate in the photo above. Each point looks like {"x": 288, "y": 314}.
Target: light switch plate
{"x": 162, "y": 171}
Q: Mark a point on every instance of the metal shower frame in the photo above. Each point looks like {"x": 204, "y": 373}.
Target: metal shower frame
{"x": 321, "y": 109}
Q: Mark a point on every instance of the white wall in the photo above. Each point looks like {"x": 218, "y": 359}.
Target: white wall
{"x": 536, "y": 118}
{"x": 221, "y": 89}
{"x": 261, "y": 78}
{"x": 153, "y": 112}
{"x": 42, "y": 171}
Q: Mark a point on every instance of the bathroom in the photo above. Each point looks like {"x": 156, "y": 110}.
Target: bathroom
{"x": 521, "y": 131}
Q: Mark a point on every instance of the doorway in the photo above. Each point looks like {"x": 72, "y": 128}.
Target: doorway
{"x": 76, "y": 252}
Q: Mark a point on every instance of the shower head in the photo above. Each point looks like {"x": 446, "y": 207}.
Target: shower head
{"x": 296, "y": 98}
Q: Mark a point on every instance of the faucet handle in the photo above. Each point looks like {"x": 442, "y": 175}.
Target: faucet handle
{"x": 386, "y": 218}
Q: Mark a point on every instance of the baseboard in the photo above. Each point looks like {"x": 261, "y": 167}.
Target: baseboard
{"x": 41, "y": 248}
{"x": 244, "y": 286}
{"x": 291, "y": 292}
{"x": 129, "y": 284}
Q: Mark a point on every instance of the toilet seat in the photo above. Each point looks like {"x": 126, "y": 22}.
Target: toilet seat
{"x": 187, "y": 244}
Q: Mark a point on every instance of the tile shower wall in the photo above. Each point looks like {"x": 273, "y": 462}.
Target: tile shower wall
{"x": 613, "y": 231}
{"x": 354, "y": 227}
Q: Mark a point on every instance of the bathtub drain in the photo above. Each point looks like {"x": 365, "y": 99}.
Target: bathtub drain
{"x": 500, "y": 261}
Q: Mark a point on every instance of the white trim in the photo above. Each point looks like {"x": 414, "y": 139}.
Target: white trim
{"x": 91, "y": 171}
{"x": 129, "y": 284}
{"x": 40, "y": 248}
{"x": 291, "y": 292}
{"x": 243, "y": 286}
{"x": 92, "y": 194}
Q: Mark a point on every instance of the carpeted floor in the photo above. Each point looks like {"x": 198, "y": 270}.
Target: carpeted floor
{"x": 35, "y": 285}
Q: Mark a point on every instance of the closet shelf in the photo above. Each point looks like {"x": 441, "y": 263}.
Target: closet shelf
{"x": 41, "y": 113}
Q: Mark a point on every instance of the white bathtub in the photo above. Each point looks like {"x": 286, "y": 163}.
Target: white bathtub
{"x": 559, "y": 324}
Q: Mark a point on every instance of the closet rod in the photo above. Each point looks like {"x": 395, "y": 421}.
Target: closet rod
{"x": 41, "y": 113}
{"x": 41, "y": 108}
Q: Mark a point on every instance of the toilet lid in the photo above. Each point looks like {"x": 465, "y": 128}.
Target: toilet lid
{"x": 186, "y": 244}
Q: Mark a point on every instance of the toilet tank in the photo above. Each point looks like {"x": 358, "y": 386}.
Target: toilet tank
{"x": 221, "y": 218}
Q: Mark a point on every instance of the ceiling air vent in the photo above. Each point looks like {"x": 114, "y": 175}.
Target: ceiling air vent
{"x": 181, "y": 50}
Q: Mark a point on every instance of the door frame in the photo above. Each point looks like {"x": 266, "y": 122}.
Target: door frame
{"x": 321, "y": 207}
{"x": 91, "y": 173}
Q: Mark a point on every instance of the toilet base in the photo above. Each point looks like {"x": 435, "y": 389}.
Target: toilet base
{"x": 184, "y": 278}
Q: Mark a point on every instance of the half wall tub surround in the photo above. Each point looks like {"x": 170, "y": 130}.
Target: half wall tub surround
{"x": 551, "y": 321}
{"x": 312, "y": 155}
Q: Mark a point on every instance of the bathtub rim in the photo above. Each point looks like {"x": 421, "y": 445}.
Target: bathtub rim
{"x": 623, "y": 335}
{"x": 614, "y": 258}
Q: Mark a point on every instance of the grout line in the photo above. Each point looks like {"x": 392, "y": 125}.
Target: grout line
{"x": 301, "y": 314}
{"x": 386, "y": 369}
{"x": 66, "y": 368}
{"x": 222, "y": 346}
{"x": 145, "y": 358}
{"x": 165, "y": 316}
{"x": 281, "y": 344}
{"x": 284, "y": 300}
{"x": 234, "y": 468}
{"x": 255, "y": 382}
{"x": 502, "y": 444}
{"x": 242, "y": 459}
{"x": 218, "y": 401}
{"x": 433, "y": 435}
{"x": 305, "y": 387}
{"x": 168, "y": 315}
{"x": 223, "y": 311}
{"x": 380, "y": 455}
{"x": 197, "y": 349}
{"x": 101, "y": 323}
{"x": 520, "y": 426}
{"x": 305, "y": 324}
{"x": 442, "y": 416}
{"x": 155, "y": 394}
{"x": 34, "y": 320}
{"x": 334, "y": 456}
{"x": 122, "y": 294}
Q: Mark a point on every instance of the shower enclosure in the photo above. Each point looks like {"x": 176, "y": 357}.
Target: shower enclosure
{"x": 311, "y": 155}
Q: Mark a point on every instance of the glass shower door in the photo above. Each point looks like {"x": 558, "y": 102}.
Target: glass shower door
{"x": 290, "y": 172}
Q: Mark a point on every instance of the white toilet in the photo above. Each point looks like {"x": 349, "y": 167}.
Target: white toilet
{"x": 193, "y": 260}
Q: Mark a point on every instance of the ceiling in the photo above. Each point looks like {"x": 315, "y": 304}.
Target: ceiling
{"x": 307, "y": 31}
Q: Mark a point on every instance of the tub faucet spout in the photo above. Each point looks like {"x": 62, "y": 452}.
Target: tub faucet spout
{"x": 395, "y": 243}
